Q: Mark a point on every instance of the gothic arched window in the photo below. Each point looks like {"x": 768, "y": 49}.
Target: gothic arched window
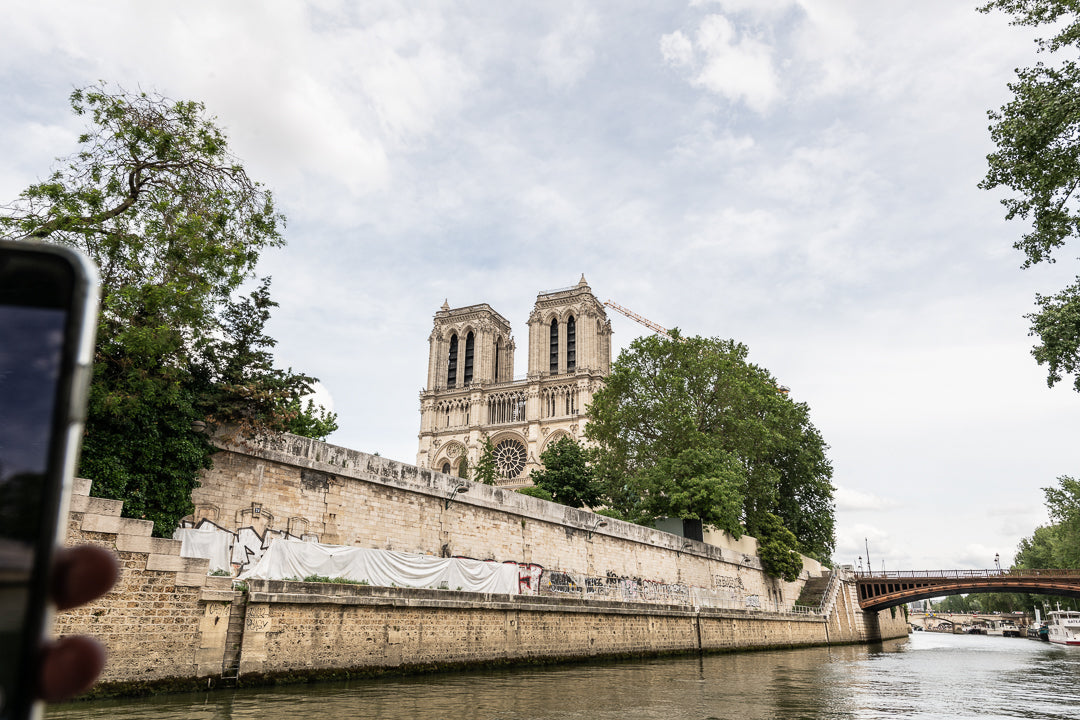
{"x": 571, "y": 345}
{"x": 498, "y": 356}
{"x": 469, "y": 343}
{"x": 451, "y": 363}
{"x": 446, "y": 468}
{"x": 553, "y": 366}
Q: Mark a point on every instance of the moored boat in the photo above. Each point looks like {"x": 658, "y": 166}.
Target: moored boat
{"x": 1063, "y": 627}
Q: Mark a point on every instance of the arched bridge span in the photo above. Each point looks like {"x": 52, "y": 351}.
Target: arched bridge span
{"x": 881, "y": 590}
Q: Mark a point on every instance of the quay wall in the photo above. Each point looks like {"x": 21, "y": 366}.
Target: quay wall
{"x": 167, "y": 624}
{"x": 318, "y": 491}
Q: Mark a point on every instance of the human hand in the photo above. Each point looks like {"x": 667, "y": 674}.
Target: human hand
{"x": 70, "y": 665}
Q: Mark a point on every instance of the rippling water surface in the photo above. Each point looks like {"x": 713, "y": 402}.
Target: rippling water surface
{"x": 926, "y": 676}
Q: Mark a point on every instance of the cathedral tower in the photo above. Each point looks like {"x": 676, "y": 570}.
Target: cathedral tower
{"x": 471, "y": 394}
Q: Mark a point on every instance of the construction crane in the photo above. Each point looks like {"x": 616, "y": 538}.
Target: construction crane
{"x": 660, "y": 330}
{"x": 638, "y": 318}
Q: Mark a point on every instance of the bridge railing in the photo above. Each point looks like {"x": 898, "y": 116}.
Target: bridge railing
{"x": 962, "y": 574}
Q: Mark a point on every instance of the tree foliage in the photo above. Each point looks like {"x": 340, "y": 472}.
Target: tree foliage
{"x": 242, "y": 388}
{"x": 536, "y": 492}
{"x": 687, "y": 427}
{"x": 1038, "y": 158}
{"x": 566, "y": 474}
{"x": 777, "y": 549}
{"x": 176, "y": 226}
{"x": 486, "y": 470}
{"x": 1056, "y": 545}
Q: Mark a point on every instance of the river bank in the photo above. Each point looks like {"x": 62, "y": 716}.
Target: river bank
{"x": 168, "y": 625}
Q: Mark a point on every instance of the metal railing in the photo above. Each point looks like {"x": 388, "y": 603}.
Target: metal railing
{"x": 827, "y": 599}
{"x": 962, "y": 574}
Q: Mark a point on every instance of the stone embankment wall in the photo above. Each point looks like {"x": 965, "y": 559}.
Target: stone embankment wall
{"x": 169, "y": 624}
{"x": 163, "y": 619}
{"x": 314, "y": 490}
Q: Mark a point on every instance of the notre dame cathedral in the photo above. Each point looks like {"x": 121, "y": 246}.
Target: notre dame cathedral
{"x": 472, "y": 394}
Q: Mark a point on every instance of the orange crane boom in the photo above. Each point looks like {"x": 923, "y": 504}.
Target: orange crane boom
{"x": 658, "y": 329}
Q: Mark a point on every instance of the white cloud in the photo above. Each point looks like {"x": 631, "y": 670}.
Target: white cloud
{"x": 739, "y": 68}
{"x": 566, "y": 53}
{"x": 850, "y": 500}
{"x": 676, "y": 49}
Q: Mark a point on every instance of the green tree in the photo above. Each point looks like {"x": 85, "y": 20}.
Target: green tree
{"x": 777, "y": 549}
{"x": 176, "y": 226}
{"x": 687, "y": 427}
{"x": 1063, "y": 505}
{"x": 1037, "y": 552}
{"x": 241, "y": 386}
{"x": 1038, "y": 158}
{"x": 566, "y": 474}
{"x": 486, "y": 470}
{"x": 954, "y": 604}
{"x": 463, "y": 468}
{"x": 536, "y": 493}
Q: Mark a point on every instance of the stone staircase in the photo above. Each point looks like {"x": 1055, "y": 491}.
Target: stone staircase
{"x": 813, "y": 592}
{"x": 100, "y": 515}
{"x": 150, "y": 564}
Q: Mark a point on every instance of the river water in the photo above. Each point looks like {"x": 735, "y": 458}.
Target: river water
{"x": 928, "y": 675}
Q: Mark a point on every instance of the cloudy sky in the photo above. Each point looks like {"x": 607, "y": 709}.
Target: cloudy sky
{"x": 799, "y": 175}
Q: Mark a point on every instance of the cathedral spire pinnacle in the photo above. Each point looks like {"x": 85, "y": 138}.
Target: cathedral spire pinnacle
{"x": 446, "y": 303}
{"x": 582, "y": 280}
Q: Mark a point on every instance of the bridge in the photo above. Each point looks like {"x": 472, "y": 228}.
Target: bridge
{"x": 881, "y": 590}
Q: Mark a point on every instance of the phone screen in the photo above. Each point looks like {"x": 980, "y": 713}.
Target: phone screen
{"x": 42, "y": 329}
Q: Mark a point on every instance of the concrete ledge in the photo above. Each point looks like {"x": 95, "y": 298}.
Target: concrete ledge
{"x": 190, "y": 579}
{"x": 212, "y": 595}
{"x": 296, "y": 593}
{"x": 81, "y": 486}
{"x": 148, "y": 545}
{"x": 219, "y": 582}
{"x": 117, "y": 525}
{"x": 104, "y": 506}
{"x": 175, "y": 563}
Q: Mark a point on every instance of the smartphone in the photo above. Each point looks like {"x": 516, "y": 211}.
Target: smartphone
{"x": 48, "y": 307}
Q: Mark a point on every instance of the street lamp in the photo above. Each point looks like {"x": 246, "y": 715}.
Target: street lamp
{"x": 599, "y": 524}
{"x": 997, "y": 562}
{"x": 454, "y": 492}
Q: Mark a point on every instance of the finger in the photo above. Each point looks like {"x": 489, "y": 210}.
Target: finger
{"x": 81, "y": 574}
{"x": 69, "y": 666}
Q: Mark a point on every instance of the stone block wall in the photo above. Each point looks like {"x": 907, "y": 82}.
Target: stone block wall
{"x": 297, "y": 627}
{"x": 158, "y": 621}
{"x": 168, "y": 622}
{"x": 340, "y": 496}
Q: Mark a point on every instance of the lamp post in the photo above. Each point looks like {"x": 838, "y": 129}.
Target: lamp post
{"x": 454, "y": 492}
{"x": 997, "y": 562}
{"x": 599, "y": 524}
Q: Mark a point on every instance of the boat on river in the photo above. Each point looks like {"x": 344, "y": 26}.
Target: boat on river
{"x": 1064, "y": 627}
{"x": 1008, "y": 629}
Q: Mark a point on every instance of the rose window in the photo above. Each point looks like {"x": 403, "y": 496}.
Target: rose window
{"x": 510, "y": 458}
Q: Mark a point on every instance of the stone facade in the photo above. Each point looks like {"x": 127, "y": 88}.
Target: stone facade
{"x": 471, "y": 394}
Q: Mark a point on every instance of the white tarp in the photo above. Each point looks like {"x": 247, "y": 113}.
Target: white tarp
{"x": 208, "y": 542}
{"x": 293, "y": 559}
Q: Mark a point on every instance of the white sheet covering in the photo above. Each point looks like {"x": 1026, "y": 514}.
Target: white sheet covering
{"x": 293, "y": 559}
{"x": 211, "y": 543}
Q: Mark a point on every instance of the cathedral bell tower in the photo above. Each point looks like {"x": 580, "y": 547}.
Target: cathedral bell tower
{"x": 471, "y": 395}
